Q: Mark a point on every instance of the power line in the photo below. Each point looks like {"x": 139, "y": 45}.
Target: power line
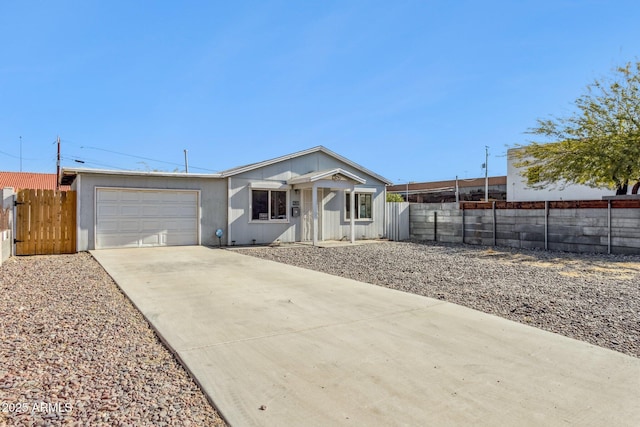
{"x": 10, "y": 155}
{"x": 145, "y": 158}
{"x": 90, "y": 162}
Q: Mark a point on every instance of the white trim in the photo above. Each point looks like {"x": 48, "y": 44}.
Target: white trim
{"x": 269, "y": 220}
{"x": 269, "y": 185}
{"x": 229, "y": 212}
{"x": 77, "y": 171}
{"x": 78, "y": 217}
{"x": 328, "y": 175}
{"x": 344, "y": 203}
{"x": 364, "y": 190}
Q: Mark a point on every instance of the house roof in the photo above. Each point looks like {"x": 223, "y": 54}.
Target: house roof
{"x": 69, "y": 173}
{"x": 331, "y": 173}
{"x": 434, "y": 186}
{"x": 319, "y": 148}
{"x": 29, "y": 181}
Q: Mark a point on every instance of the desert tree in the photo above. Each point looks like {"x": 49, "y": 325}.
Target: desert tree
{"x": 597, "y": 145}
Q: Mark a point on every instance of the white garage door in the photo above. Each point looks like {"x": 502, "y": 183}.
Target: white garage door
{"x": 140, "y": 218}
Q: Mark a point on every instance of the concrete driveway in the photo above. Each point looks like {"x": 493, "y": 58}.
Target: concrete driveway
{"x": 278, "y": 345}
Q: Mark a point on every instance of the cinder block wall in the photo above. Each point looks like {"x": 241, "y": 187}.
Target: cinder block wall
{"x": 566, "y": 226}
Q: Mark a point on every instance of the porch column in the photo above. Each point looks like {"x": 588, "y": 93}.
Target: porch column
{"x": 352, "y": 203}
{"x": 314, "y": 203}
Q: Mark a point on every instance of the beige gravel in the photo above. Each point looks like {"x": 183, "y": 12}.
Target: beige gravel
{"x": 75, "y": 351}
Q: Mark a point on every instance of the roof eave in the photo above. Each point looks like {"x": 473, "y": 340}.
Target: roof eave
{"x": 76, "y": 171}
{"x": 319, "y": 148}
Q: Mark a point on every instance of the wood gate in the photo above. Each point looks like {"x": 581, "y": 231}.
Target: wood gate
{"x": 45, "y": 222}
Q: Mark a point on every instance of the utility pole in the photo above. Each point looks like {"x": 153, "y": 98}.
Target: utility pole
{"x": 457, "y": 190}
{"x": 21, "y": 153}
{"x": 58, "y": 165}
{"x": 186, "y": 162}
{"x": 486, "y": 173}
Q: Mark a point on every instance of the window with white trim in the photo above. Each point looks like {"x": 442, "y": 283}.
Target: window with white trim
{"x": 363, "y": 206}
{"x": 268, "y": 205}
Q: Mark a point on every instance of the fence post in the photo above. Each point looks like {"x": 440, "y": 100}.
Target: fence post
{"x": 609, "y": 227}
{"x": 435, "y": 226}
{"x": 546, "y": 225}
{"x": 493, "y": 207}
{"x": 462, "y": 206}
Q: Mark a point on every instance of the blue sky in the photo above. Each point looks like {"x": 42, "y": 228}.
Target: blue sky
{"x": 413, "y": 90}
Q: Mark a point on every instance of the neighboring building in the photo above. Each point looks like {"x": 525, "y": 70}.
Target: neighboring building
{"x": 519, "y": 191}
{"x": 311, "y": 195}
{"x": 29, "y": 181}
{"x": 445, "y": 191}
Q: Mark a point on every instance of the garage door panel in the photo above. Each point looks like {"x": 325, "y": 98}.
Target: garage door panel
{"x": 177, "y": 211}
{"x": 108, "y": 196}
{"x": 152, "y": 240}
{"x": 154, "y": 225}
{"x": 129, "y": 195}
{"x": 130, "y": 211}
{"x": 119, "y": 241}
{"x": 108, "y": 210}
{"x": 108, "y": 226}
{"x": 128, "y": 226}
{"x": 137, "y": 218}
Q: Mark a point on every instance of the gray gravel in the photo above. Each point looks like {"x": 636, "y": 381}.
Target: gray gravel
{"x": 593, "y": 298}
{"x": 74, "y": 351}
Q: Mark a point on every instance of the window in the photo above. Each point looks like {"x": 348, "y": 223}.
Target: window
{"x": 267, "y": 205}
{"x": 363, "y": 204}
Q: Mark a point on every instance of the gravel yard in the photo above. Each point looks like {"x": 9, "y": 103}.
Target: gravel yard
{"x": 74, "y": 351}
{"x": 593, "y": 298}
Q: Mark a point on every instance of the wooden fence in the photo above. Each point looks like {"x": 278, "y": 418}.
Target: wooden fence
{"x": 45, "y": 222}
{"x": 4, "y": 218}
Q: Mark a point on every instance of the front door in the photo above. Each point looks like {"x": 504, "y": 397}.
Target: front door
{"x": 307, "y": 214}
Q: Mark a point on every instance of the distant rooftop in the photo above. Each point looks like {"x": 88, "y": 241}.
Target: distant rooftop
{"x": 30, "y": 181}
{"x": 446, "y": 185}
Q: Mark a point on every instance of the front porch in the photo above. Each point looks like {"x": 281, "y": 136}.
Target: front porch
{"x": 312, "y": 210}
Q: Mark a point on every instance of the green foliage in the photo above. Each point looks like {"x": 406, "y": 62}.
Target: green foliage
{"x": 394, "y": 197}
{"x": 598, "y": 145}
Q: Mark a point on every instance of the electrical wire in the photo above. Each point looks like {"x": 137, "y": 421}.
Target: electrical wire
{"x": 146, "y": 158}
{"x": 89, "y": 161}
{"x": 10, "y": 155}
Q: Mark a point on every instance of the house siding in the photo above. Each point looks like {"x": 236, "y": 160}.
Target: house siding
{"x": 334, "y": 225}
{"x": 213, "y": 201}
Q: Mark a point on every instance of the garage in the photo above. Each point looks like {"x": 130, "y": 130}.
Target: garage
{"x": 146, "y": 217}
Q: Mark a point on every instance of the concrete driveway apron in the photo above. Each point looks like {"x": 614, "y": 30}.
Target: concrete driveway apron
{"x": 278, "y": 345}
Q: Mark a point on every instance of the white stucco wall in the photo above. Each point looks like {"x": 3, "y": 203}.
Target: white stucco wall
{"x": 518, "y": 191}
{"x": 213, "y": 201}
{"x": 334, "y": 226}
{"x": 6, "y": 236}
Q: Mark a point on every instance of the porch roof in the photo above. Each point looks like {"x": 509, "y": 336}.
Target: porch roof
{"x": 337, "y": 174}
